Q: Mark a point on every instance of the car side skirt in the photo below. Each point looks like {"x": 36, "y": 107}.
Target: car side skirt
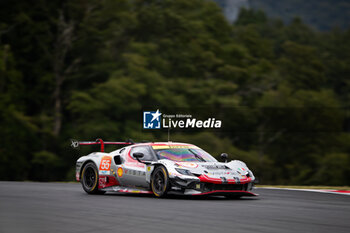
{"x": 121, "y": 189}
{"x": 227, "y": 193}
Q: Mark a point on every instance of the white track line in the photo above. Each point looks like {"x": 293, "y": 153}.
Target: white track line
{"x": 307, "y": 190}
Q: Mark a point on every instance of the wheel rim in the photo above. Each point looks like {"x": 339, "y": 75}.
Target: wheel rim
{"x": 89, "y": 177}
{"x": 159, "y": 182}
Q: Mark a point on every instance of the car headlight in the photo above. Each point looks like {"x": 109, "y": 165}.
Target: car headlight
{"x": 184, "y": 171}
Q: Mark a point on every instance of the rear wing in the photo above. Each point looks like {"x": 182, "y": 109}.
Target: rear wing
{"x": 76, "y": 144}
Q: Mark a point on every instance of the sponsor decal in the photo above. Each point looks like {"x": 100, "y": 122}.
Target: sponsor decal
{"x": 120, "y": 172}
{"x": 187, "y": 164}
{"x": 129, "y": 190}
{"x": 102, "y": 182}
{"x": 107, "y": 181}
{"x": 134, "y": 172}
{"x": 220, "y": 173}
{"x": 105, "y": 164}
{"x": 105, "y": 172}
{"x": 148, "y": 168}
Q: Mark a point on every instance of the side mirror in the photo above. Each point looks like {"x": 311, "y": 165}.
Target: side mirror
{"x": 224, "y": 157}
{"x": 138, "y": 155}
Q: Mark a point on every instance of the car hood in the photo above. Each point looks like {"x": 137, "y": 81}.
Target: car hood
{"x": 234, "y": 169}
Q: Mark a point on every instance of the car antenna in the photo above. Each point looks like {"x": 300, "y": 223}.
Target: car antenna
{"x": 169, "y": 133}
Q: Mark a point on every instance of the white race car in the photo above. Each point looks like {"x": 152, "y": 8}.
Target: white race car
{"x": 162, "y": 168}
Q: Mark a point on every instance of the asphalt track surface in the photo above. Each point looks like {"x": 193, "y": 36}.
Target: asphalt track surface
{"x": 65, "y": 207}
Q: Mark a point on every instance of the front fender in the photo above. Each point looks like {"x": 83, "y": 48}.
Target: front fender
{"x": 240, "y": 166}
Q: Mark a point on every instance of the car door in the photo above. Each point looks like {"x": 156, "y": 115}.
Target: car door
{"x": 134, "y": 172}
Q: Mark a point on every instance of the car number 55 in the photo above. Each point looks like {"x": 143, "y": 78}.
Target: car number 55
{"x": 105, "y": 163}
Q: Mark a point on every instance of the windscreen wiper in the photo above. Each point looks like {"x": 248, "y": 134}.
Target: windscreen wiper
{"x": 197, "y": 156}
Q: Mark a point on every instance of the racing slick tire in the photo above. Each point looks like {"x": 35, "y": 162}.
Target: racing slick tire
{"x": 89, "y": 179}
{"x": 160, "y": 182}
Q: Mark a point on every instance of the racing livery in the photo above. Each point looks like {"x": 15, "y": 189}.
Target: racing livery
{"x": 161, "y": 168}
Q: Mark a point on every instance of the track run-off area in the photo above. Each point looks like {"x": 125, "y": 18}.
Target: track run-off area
{"x": 65, "y": 207}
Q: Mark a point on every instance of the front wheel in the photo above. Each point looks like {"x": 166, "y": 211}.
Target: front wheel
{"x": 160, "y": 182}
{"x": 89, "y": 178}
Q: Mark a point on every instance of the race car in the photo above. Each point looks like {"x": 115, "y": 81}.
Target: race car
{"x": 161, "y": 168}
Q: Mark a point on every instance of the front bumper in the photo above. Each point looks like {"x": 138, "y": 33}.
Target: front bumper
{"x": 208, "y": 187}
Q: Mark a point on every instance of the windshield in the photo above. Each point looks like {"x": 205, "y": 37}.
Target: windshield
{"x": 183, "y": 154}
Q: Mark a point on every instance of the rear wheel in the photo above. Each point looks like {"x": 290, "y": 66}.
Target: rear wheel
{"x": 160, "y": 182}
{"x": 89, "y": 178}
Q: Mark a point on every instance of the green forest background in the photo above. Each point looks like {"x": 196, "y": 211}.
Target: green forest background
{"x": 85, "y": 68}
{"x": 321, "y": 14}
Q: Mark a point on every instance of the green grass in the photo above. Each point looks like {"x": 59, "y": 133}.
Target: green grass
{"x": 305, "y": 187}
